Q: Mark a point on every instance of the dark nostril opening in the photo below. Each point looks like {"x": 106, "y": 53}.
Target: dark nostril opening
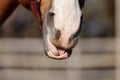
{"x": 74, "y": 36}
{"x": 57, "y": 34}
{"x": 71, "y": 37}
{"x": 51, "y": 14}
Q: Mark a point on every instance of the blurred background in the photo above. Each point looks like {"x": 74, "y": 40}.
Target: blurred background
{"x": 22, "y": 55}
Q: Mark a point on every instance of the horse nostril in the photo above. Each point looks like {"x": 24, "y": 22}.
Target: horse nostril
{"x": 71, "y": 37}
{"x": 57, "y": 34}
{"x": 51, "y": 14}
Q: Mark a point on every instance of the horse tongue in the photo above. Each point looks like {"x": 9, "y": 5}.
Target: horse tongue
{"x": 61, "y": 51}
{"x": 55, "y": 52}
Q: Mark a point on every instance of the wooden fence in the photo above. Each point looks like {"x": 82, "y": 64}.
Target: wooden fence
{"x": 24, "y": 59}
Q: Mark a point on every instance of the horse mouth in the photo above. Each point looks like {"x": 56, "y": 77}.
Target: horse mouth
{"x": 57, "y": 52}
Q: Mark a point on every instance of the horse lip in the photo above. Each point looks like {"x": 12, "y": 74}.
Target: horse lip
{"x": 57, "y": 52}
{"x": 66, "y": 55}
{"x": 60, "y": 55}
{"x": 51, "y": 55}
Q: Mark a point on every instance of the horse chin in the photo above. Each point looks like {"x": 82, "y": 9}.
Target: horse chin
{"x": 57, "y": 52}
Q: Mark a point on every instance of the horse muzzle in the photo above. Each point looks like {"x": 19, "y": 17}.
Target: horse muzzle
{"x": 59, "y": 51}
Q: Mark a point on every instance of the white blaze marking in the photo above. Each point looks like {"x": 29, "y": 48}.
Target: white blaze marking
{"x": 67, "y": 15}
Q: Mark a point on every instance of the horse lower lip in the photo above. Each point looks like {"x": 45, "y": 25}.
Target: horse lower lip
{"x": 63, "y": 56}
{"x": 60, "y": 55}
{"x": 57, "y": 52}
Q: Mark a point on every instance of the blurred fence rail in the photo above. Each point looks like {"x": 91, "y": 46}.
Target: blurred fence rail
{"x": 24, "y": 59}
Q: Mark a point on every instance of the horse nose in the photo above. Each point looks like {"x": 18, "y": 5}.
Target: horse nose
{"x": 63, "y": 40}
{"x": 57, "y": 34}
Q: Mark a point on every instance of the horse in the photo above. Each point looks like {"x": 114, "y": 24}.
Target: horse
{"x": 60, "y": 21}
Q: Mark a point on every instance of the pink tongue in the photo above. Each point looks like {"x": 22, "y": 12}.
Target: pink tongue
{"x": 59, "y": 52}
{"x": 56, "y": 51}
